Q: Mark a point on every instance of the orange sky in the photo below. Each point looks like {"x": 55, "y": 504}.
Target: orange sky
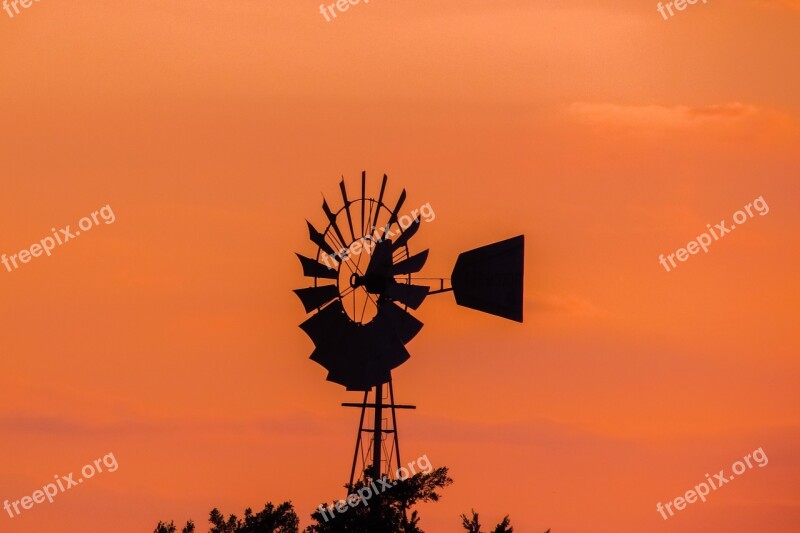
{"x": 605, "y": 134}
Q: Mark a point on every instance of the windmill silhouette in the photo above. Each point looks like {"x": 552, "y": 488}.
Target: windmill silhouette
{"x": 360, "y": 303}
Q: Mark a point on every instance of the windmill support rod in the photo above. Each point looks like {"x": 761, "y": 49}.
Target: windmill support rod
{"x": 439, "y": 291}
{"x": 394, "y": 427}
{"x": 441, "y": 281}
{"x": 372, "y": 405}
{"x": 377, "y": 442}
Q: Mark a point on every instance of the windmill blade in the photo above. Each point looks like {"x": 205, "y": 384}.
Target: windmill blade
{"x": 383, "y": 351}
{"x": 354, "y": 354}
{"x": 363, "y": 199}
{"x": 319, "y": 239}
{"x": 386, "y": 349}
{"x": 381, "y": 260}
{"x": 350, "y": 385}
{"x": 411, "y": 265}
{"x": 403, "y": 323}
{"x": 337, "y": 356}
{"x": 395, "y": 211}
{"x": 332, "y": 220}
{"x": 315, "y": 297}
{"x": 405, "y": 293}
{"x": 397, "y": 207}
{"x": 347, "y": 208}
{"x": 327, "y": 357}
{"x": 326, "y": 328}
{"x": 330, "y": 331}
{"x": 313, "y": 269}
{"x": 375, "y": 373}
{"x": 349, "y": 369}
{"x": 380, "y": 200}
{"x": 368, "y": 377}
{"x": 349, "y": 374}
{"x": 395, "y": 354}
{"x": 342, "y": 369}
{"x": 407, "y": 234}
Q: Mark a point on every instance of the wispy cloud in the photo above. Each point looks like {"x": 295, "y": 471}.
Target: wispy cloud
{"x": 570, "y": 304}
{"x": 728, "y": 119}
{"x": 661, "y": 115}
{"x": 791, "y": 4}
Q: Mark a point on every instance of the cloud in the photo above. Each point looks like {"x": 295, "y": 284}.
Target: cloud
{"x": 565, "y": 304}
{"x": 675, "y": 116}
{"x": 51, "y": 425}
{"x": 296, "y": 424}
{"x": 734, "y": 109}
{"x": 539, "y": 432}
{"x": 791, "y": 4}
{"x": 730, "y": 120}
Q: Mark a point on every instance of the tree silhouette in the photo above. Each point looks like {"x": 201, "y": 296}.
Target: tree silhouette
{"x": 473, "y": 524}
{"x": 280, "y": 519}
{"x": 381, "y": 509}
{"x": 384, "y": 512}
{"x": 163, "y": 527}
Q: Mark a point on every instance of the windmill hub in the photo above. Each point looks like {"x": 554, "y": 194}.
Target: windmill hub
{"x": 374, "y": 284}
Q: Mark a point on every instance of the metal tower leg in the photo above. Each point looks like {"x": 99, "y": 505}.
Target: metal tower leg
{"x": 358, "y": 440}
{"x": 377, "y": 433}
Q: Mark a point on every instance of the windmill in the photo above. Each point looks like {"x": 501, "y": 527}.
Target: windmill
{"x": 363, "y": 288}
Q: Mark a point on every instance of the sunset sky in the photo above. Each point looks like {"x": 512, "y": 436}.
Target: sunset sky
{"x": 212, "y": 129}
